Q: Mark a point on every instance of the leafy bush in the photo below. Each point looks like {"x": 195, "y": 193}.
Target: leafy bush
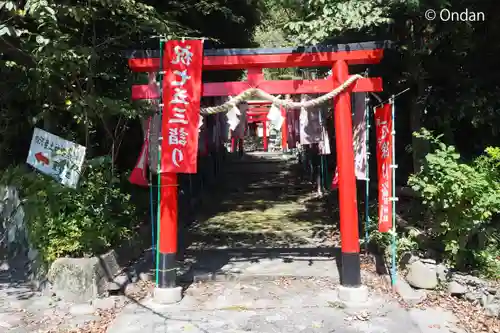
{"x": 406, "y": 241}
{"x": 464, "y": 202}
{"x": 82, "y": 222}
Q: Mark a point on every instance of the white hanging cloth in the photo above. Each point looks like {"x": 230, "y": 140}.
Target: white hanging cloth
{"x": 359, "y": 134}
{"x": 238, "y": 131}
{"x": 223, "y": 124}
{"x": 154, "y": 142}
{"x": 310, "y": 127}
{"x": 324, "y": 144}
{"x": 275, "y": 117}
{"x": 233, "y": 117}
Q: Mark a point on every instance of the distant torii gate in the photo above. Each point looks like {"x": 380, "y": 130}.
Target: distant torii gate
{"x": 257, "y": 113}
{"x": 339, "y": 57}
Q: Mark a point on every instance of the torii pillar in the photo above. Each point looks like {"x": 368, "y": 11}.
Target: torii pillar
{"x": 350, "y": 258}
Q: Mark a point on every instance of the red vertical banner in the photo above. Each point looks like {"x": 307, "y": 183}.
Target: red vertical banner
{"x": 383, "y": 123}
{"x": 284, "y": 130}
{"x": 182, "y": 63}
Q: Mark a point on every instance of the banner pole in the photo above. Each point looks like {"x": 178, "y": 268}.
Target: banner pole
{"x": 367, "y": 172}
{"x": 152, "y": 213}
{"x": 158, "y": 169}
{"x": 321, "y": 170}
{"x": 394, "y": 198}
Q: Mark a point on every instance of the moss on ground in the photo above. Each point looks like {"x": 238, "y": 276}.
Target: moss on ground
{"x": 268, "y": 218}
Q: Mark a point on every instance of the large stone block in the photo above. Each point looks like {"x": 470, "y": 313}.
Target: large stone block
{"x": 77, "y": 279}
{"x": 83, "y": 279}
{"x": 421, "y": 275}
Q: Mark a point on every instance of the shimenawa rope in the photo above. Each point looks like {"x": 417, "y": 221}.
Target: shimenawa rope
{"x": 256, "y": 92}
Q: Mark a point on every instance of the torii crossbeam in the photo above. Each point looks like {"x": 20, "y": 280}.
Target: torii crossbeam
{"x": 337, "y": 57}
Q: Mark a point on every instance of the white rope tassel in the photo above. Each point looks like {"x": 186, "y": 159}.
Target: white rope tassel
{"x": 275, "y": 118}
{"x": 256, "y": 92}
{"x": 232, "y": 117}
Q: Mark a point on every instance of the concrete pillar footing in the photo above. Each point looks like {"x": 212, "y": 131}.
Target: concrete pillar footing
{"x": 353, "y": 296}
{"x": 167, "y": 295}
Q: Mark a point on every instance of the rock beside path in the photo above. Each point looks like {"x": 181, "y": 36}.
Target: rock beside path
{"x": 422, "y": 276}
{"x": 456, "y": 289}
{"x": 427, "y": 274}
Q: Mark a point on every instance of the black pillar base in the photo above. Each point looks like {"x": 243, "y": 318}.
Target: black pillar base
{"x": 167, "y": 272}
{"x": 350, "y": 275}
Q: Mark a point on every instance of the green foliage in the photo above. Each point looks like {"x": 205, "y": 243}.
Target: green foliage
{"x": 83, "y": 222}
{"x": 323, "y": 19}
{"x": 63, "y": 66}
{"x": 383, "y": 241}
{"x": 63, "y": 69}
{"x": 271, "y": 32}
{"x": 464, "y": 202}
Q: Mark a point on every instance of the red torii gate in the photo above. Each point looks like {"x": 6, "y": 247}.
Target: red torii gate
{"x": 257, "y": 113}
{"x": 254, "y": 60}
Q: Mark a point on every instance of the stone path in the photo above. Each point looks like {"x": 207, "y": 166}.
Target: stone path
{"x": 281, "y": 305}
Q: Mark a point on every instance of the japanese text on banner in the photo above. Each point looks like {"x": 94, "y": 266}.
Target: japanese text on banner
{"x": 181, "y": 97}
{"x": 383, "y": 123}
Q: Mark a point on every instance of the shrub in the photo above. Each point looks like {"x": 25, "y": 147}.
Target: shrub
{"x": 406, "y": 241}
{"x": 464, "y": 202}
{"x": 67, "y": 222}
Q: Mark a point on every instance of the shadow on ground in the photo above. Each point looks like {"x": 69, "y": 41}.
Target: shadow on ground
{"x": 260, "y": 199}
{"x": 213, "y": 264}
{"x": 260, "y": 210}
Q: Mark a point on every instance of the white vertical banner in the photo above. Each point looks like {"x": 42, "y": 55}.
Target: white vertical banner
{"x": 359, "y": 134}
{"x": 275, "y": 118}
{"x": 238, "y": 132}
{"x": 224, "y": 125}
{"x": 310, "y": 127}
{"x": 359, "y": 129}
{"x": 324, "y": 144}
